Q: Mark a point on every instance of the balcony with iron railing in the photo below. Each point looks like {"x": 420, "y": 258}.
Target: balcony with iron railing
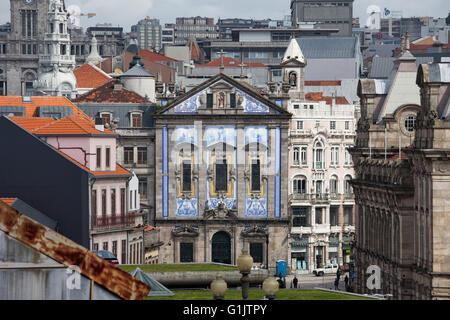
{"x": 114, "y": 222}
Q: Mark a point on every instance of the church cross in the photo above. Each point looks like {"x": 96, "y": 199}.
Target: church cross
{"x": 221, "y": 54}
{"x": 242, "y": 65}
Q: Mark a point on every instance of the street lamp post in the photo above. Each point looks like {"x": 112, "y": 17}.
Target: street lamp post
{"x": 245, "y": 264}
{"x": 270, "y": 287}
{"x": 219, "y": 288}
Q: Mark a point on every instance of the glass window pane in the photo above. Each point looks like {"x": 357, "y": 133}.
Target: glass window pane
{"x": 221, "y": 176}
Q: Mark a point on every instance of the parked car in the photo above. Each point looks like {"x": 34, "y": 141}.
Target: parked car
{"x": 328, "y": 268}
{"x": 108, "y": 256}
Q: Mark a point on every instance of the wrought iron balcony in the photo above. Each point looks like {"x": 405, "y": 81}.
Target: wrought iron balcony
{"x": 113, "y": 222}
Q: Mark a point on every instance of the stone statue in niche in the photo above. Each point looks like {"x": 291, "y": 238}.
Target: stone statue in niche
{"x": 293, "y": 79}
{"x": 221, "y": 100}
{"x": 202, "y": 101}
{"x": 240, "y": 101}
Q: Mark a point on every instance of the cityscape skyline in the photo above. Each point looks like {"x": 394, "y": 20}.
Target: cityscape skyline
{"x": 106, "y": 10}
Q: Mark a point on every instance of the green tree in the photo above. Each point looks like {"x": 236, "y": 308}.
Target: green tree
{"x": 448, "y": 19}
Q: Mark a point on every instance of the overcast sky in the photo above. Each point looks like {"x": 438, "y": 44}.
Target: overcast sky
{"x": 128, "y": 12}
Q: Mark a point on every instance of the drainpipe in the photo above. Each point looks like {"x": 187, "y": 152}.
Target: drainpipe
{"x": 91, "y": 184}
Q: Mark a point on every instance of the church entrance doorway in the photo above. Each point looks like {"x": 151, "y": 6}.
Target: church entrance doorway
{"x": 221, "y": 247}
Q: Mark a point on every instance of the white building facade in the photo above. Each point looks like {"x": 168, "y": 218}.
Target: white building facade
{"x": 321, "y": 201}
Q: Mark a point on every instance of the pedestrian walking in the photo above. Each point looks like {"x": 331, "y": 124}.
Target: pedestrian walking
{"x": 346, "y": 283}
{"x": 336, "y": 284}
{"x": 295, "y": 281}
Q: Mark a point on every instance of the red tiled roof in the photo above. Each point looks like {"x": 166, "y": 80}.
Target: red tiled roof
{"x": 318, "y": 96}
{"x": 8, "y": 201}
{"x": 153, "y": 56}
{"x": 107, "y": 94}
{"x": 37, "y": 101}
{"x": 89, "y": 76}
{"x": 32, "y": 124}
{"x": 229, "y": 62}
{"x": 323, "y": 83}
{"x": 66, "y": 125}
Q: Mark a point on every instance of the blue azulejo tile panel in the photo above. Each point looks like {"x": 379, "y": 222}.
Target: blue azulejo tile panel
{"x": 190, "y": 105}
{"x": 256, "y": 134}
{"x": 220, "y": 134}
{"x": 185, "y": 134}
{"x": 256, "y": 208}
{"x": 229, "y": 202}
{"x": 186, "y": 208}
{"x": 251, "y": 105}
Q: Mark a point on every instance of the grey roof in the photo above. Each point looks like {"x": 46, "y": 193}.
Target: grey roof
{"x": 439, "y": 72}
{"x": 382, "y": 66}
{"x": 137, "y": 71}
{"x": 324, "y": 47}
{"x": 384, "y": 50}
{"x": 158, "y": 290}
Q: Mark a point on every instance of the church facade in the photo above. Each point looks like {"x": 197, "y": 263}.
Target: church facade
{"x": 221, "y": 173}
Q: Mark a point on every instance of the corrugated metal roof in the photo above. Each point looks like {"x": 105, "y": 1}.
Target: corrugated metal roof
{"x": 67, "y": 252}
{"x": 158, "y": 290}
{"x": 324, "y": 47}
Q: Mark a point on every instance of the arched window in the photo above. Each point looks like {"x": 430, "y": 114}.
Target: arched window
{"x": 347, "y": 186}
{"x": 334, "y": 185}
{"x": 318, "y": 154}
{"x": 300, "y": 185}
{"x": 410, "y": 123}
{"x": 293, "y": 79}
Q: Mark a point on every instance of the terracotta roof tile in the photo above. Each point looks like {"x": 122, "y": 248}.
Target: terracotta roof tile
{"x": 153, "y": 56}
{"x": 89, "y": 76}
{"x": 63, "y": 126}
{"x": 8, "y": 201}
{"x": 318, "y": 96}
{"x": 107, "y": 94}
{"x": 37, "y": 101}
{"x": 32, "y": 124}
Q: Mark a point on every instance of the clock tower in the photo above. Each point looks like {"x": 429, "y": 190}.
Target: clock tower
{"x": 56, "y": 64}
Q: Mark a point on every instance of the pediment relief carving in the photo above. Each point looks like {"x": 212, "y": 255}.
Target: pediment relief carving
{"x": 185, "y": 231}
{"x": 254, "y": 232}
{"x": 220, "y": 212}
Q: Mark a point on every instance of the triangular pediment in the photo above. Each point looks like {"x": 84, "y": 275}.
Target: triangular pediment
{"x": 222, "y": 95}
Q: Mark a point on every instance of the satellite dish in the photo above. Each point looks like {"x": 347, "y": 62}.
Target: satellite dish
{"x": 74, "y": 12}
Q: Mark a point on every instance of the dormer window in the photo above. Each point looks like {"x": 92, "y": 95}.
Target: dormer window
{"x": 106, "y": 118}
{"x": 136, "y": 120}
